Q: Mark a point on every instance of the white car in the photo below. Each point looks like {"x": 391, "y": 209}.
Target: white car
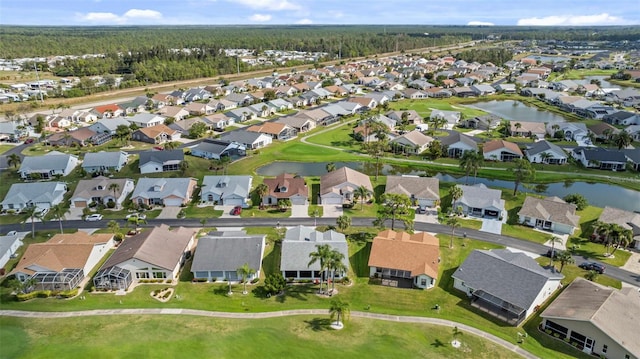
{"x": 93, "y": 218}
{"x": 136, "y": 215}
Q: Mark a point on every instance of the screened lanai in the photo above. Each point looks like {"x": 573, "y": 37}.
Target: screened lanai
{"x": 112, "y": 278}
{"x": 67, "y": 279}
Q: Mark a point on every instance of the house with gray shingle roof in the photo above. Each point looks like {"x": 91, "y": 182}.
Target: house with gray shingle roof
{"x": 160, "y": 161}
{"x": 457, "y": 144}
{"x": 226, "y": 190}
{"x": 143, "y": 120}
{"x": 413, "y": 142}
{"x": 507, "y": 285}
{"x": 423, "y": 191}
{"x": 48, "y": 166}
{"x": 299, "y": 242}
{"x": 109, "y": 125}
{"x": 625, "y": 219}
{"x": 339, "y": 186}
{"x": 104, "y": 161}
{"x": 219, "y": 255}
{"x": 99, "y": 190}
{"x": 163, "y": 191}
{"x": 600, "y": 158}
{"x": 39, "y": 194}
{"x": 480, "y": 201}
{"x": 554, "y": 154}
{"x": 251, "y": 140}
{"x": 551, "y": 214}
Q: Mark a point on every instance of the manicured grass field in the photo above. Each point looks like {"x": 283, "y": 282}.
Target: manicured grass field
{"x": 5, "y": 148}
{"x": 195, "y": 337}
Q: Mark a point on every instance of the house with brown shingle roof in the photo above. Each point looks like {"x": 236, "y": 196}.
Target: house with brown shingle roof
{"x": 338, "y": 187}
{"x": 423, "y": 191}
{"x": 158, "y": 253}
{"x": 405, "y": 260}
{"x": 155, "y": 134}
{"x": 63, "y": 261}
{"x": 286, "y": 186}
{"x": 413, "y": 142}
{"x": 500, "y": 150}
{"x": 551, "y": 214}
{"x": 80, "y": 137}
{"x": 527, "y": 129}
{"x": 601, "y": 321}
{"x": 277, "y": 130}
{"x": 176, "y": 112}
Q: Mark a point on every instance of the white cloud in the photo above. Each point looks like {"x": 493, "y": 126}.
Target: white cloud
{"x": 272, "y": 5}
{"x": 260, "y": 17}
{"x": 573, "y": 20}
{"x": 142, "y": 14}
{"x": 479, "y": 23}
{"x": 304, "y": 22}
{"x": 132, "y": 16}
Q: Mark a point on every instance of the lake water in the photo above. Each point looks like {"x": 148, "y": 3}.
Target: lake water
{"x": 598, "y": 194}
{"x": 517, "y": 111}
{"x": 544, "y": 58}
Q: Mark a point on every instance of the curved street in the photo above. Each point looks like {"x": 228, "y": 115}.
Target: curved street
{"x": 203, "y": 313}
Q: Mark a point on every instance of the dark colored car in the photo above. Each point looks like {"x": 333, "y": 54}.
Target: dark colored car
{"x": 593, "y": 266}
{"x": 556, "y": 253}
{"x": 236, "y": 210}
{"x": 28, "y": 141}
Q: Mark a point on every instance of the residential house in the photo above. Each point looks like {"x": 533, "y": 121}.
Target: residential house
{"x": 277, "y": 130}
{"x": 199, "y": 109}
{"x": 101, "y": 190}
{"x": 216, "y": 149}
{"x": 414, "y": 94}
{"x": 457, "y": 144}
{"x": 109, "y": 125}
{"x": 546, "y": 152}
{"x": 218, "y": 122}
{"x": 143, "y": 120}
{"x": 175, "y": 112}
{"x": 413, "y": 142}
{"x": 219, "y": 255}
{"x": 102, "y": 161}
{"x": 480, "y": 201}
{"x": 226, "y": 190}
{"x": 108, "y": 111}
{"x": 47, "y": 166}
{"x": 63, "y": 262}
{"x": 81, "y": 137}
{"x": 452, "y": 118}
{"x": 622, "y": 118}
{"x": 298, "y": 123}
{"x": 136, "y": 105}
{"x": 424, "y": 192}
{"x": 600, "y": 158}
{"x": 509, "y": 286}
{"x": 196, "y": 94}
{"x": 625, "y": 219}
{"x": 367, "y": 103}
{"x": 404, "y": 260}
{"x": 598, "y": 320}
{"x": 412, "y": 116}
{"x": 160, "y": 161}
{"x": 222, "y": 105}
{"x": 8, "y": 247}
{"x": 338, "y": 187}
{"x": 184, "y": 126}
{"x": 12, "y": 130}
{"x": 286, "y": 186}
{"x": 486, "y": 122}
{"x": 550, "y": 214}
{"x": 572, "y": 131}
{"x": 500, "y": 150}
{"x": 603, "y": 131}
{"x": 240, "y": 99}
{"x": 633, "y": 158}
{"x": 483, "y": 90}
{"x": 239, "y": 115}
{"x": 527, "y": 129}
{"x": 38, "y": 194}
{"x": 170, "y": 192}
{"x": 298, "y": 244}
{"x": 250, "y": 140}
{"x": 158, "y": 254}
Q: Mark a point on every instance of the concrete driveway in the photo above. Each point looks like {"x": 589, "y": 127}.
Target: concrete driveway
{"x": 331, "y": 211}
{"x": 300, "y": 211}
{"x": 430, "y": 216}
{"x": 491, "y": 226}
{"x": 226, "y": 211}
{"x": 169, "y": 213}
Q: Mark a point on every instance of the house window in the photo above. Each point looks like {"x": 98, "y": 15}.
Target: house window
{"x": 159, "y": 275}
{"x": 604, "y": 349}
{"x": 142, "y": 275}
{"x": 423, "y": 282}
{"x": 626, "y": 356}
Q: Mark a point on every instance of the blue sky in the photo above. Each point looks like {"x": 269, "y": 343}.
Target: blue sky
{"x": 246, "y": 12}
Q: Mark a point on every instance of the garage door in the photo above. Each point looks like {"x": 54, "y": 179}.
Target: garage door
{"x": 332, "y": 200}
{"x": 298, "y": 200}
{"x": 173, "y": 202}
{"x": 80, "y": 204}
{"x": 233, "y": 202}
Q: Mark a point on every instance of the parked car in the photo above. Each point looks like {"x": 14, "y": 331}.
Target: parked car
{"x": 236, "y": 211}
{"x": 136, "y": 215}
{"x": 158, "y": 148}
{"x": 93, "y": 217}
{"x": 41, "y": 212}
{"x": 556, "y": 253}
{"x": 28, "y": 141}
{"x": 600, "y": 268}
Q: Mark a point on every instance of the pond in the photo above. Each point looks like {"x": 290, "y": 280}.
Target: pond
{"x": 604, "y": 84}
{"x": 517, "y": 111}
{"x": 598, "y": 194}
{"x": 544, "y": 59}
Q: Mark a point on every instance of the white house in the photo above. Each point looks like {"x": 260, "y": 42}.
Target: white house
{"x": 551, "y": 213}
{"x": 47, "y": 166}
{"x": 38, "y": 194}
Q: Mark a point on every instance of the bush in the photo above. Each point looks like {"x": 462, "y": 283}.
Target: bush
{"x": 111, "y": 204}
{"x": 255, "y": 280}
{"x": 43, "y": 294}
{"x": 24, "y": 297}
{"x": 68, "y": 293}
{"x": 577, "y": 199}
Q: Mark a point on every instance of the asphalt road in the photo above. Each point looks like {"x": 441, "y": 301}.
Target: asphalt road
{"x": 613, "y": 272}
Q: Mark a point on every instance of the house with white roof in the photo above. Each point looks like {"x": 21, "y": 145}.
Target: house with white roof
{"x": 47, "y": 166}
{"x": 38, "y": 194}
{"x": 299, "y": 242}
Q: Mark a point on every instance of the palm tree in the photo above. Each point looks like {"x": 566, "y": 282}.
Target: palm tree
{"x": 604, "y": 231}
{"x": 454, "y": 222}
{"x": 553, "y": 240}
{"x": 522, "y": 171}
{"x": 544, "y": 157}
{"x": 518, "y": 126}
{"x": 456, "y": 193}
{"x": 262, "y": 190}
{"x": 339, "y": 309}
{"x": 335, "y": 264}
{"x": 343, "y": 222}
{"x": 362, "y": 193}
{"x": 13, "y": 160}
{"x": 564, "y": 258}
{"x": 171, "y": 145}
{"x": 465, "y": 164}
{"x": 32, "y": 212}
{"x": 623, "y": 237}
{"x": 622, "y": 139}
{"x": 244, "y": 272}
{"x": 591, "y": 275}
{"x": 58, "y": 212}
{"x": 322, "y": 255}
{"x": 331, "y": 167}
{"x": 113, "y": 226}
{"x": 115, "y": 188}
{"x": 184, "y": 166}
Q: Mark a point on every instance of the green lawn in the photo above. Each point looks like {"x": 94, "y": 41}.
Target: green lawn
{"x": 196, "y": 337}
{"x": 5, "y": 148}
